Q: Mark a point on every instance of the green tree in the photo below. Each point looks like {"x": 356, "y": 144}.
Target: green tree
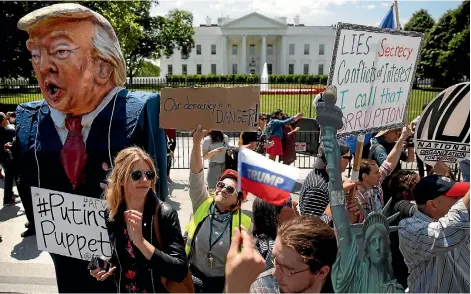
{"x": 147, "y": 69}
{"x": 421, "y": 21}
{"x": 141, "y": 35}
{"x": 445, "y": 55}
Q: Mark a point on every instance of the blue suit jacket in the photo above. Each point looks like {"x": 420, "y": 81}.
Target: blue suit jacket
{"x": 135, "y": 121}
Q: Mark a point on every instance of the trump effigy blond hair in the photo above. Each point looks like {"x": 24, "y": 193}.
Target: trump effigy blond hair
{"x": 117, "y": 179}
{"x": 105, "y": 42}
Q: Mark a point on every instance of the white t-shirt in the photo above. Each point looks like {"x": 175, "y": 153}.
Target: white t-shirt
{"x": 208, "y": 145}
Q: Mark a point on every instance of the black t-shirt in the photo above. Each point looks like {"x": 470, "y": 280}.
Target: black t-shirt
{"x": 7, "y": 134}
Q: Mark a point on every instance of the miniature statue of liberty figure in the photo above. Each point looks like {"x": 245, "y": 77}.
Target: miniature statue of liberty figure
{"x": 350, "y": 272}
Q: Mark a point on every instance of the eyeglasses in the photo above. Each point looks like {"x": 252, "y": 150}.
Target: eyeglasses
{"x": 347, "y": 157}
{"x": 284, "y": 270}
{"x": 222, "y": 186}
{"x": 137, "y": 175}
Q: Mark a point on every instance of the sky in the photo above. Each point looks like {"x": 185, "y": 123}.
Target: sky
{"x": 311, "y": 12}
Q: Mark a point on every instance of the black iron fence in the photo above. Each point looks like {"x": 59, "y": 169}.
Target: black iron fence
{"x": 290, "y": 95}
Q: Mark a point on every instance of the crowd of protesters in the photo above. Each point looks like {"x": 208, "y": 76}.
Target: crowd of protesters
{"x": 283, "y": 249}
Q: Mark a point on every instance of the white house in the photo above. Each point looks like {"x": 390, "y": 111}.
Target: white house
{"x": 244, "y": 44}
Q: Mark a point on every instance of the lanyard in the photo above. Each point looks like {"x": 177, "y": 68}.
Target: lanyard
{"x": 228, "y": 220}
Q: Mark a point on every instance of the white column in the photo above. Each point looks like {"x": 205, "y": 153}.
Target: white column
{"x": 224, "y": 54}
{"x": 264, "y": 53}
{"x": 283, "y": 70}
{"x": 244, "y": 56}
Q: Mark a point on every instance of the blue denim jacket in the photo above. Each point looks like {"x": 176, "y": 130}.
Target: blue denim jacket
{"x": 275, "y": 127}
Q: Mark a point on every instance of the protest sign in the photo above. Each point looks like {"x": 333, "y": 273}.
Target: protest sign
{"x": 224, "y": 109}
{"x": 373, "y": 70}
{"x": 70, "y": 225}
{"x": 442, "y": 132}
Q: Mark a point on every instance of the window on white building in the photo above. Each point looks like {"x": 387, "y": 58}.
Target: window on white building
{"x": 213, "y": 68}
{"x": 184, "y": 69}
{"x": 252, "y": 49}
{"x": 270, "y": 49}
{"x": 234, "y": 49}
{"x": 169, "y": 69}
{"x": 306, "y": 49}
{"x": 213, "y": 49}
{"x": 198, "y": 49}
{"x": 321, "y": 49}
{"x": 234, "y": 68}
{"x": 320, "y": 69}
{"x": 291, "y": 69}
{"x": 306, "y": 69}
{"x": 270, "y": 68}
{"x": 198, "y": 69}
{"x": 291, "y": 49}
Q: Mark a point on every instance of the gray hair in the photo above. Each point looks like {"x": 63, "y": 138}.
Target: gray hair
{"x": 105, "y": 41}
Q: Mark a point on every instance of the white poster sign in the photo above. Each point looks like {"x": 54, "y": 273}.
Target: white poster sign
{"x": 373, "y": 70}
{"x": 70, "y": 225}
{"x": 442, "y": 132}
{"x": 300, "y": 146}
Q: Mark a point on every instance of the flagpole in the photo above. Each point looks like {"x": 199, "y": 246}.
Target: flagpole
{"x": 396, "y": 12}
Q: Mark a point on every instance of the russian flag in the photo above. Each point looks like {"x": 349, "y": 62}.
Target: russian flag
{"x": 265, "y": 178}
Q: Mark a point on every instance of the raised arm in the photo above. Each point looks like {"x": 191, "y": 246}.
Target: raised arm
{"x": 441, "y": 236}
{"x": 395, "y": 154}
{"x": 197, "y": 189}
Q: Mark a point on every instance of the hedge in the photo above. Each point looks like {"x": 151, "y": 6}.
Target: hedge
{"x": 248, "y": 79}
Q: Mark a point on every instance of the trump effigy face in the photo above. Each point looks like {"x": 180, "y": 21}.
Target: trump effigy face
{"x": 72, "y": 78}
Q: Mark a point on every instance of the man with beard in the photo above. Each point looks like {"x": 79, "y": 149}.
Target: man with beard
{"x": 67, "y": 142}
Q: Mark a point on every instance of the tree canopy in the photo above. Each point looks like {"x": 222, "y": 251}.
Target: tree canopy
{"x": 421, "y": 21}
{"x": 445, "y": 54}
{"x": 141, "y": 35}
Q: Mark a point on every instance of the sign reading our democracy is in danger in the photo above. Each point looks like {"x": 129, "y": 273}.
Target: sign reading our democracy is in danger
{"x": 225, "y": 109}
{"x": 373, "y": 70}
{"x": 70, "y": 225}
{"x": 442, "y": 132}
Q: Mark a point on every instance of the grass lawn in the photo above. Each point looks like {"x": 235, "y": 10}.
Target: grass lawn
{"x": 289, "y": 103}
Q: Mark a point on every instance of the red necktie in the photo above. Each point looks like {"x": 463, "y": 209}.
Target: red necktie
{"x": 74, "y": 156}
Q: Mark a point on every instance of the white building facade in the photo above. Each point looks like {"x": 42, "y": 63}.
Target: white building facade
{"x": 243, "y": 45}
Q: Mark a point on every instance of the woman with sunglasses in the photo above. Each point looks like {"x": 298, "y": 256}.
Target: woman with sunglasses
{"x": 267, "y": 218}
{"x": 138, "y": 263}
{"x": 215, "y": 217}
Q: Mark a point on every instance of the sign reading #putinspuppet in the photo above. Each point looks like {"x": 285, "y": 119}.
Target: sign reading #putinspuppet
{"x": 373, "y": 70}
{"x": 442, "y": 132}
{"x": 70, "y": 225}
{"x": 225, "y": 109}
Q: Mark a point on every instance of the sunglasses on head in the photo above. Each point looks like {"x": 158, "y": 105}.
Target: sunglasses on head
{"x": 222, "y": 186}
{"x": 347, "y": 157}
{"x": 288, "y": 203}
{"x": 137, "y": 175}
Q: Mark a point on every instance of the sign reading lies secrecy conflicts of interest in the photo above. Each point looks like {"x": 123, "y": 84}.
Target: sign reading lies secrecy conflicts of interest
{"x": 70, "y": 225}
{"x": 224, "y": 109}
{"x": 442, "y": 132}
{"x": 373, "y": 70}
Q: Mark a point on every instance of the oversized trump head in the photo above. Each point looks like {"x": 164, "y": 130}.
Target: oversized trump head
{"x": 75, "y": 55}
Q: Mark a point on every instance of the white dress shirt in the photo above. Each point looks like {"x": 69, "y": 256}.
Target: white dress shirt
{"x": 59, "y": 117}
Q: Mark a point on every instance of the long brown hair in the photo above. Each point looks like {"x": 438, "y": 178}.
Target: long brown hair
{"x": 117, "y": 179}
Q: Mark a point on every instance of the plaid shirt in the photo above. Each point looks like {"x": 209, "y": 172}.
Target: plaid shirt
{"x": 265, "y": 283}
{"x": 372, "y": 199}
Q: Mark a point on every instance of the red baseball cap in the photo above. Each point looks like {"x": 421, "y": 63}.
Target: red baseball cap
{"x": 229, "y": 174}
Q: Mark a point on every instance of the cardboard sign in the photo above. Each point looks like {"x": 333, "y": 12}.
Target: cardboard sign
{"x": 70, "y": 225}
{"x": 373, "y": 70}
{"x": 300, "y": 147}
{"x": 224, "y": 109}
{"x": 442, "y": 132}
